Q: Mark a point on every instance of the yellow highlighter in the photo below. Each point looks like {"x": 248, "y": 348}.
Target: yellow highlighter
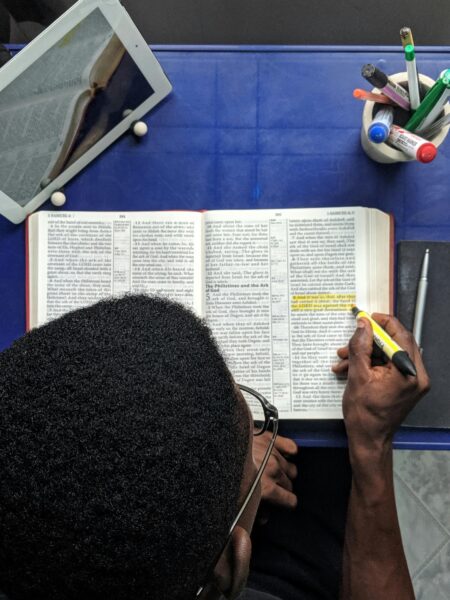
{"x": 399, "y": 357}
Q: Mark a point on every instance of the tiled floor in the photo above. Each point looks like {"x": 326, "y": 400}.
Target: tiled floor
{"x": 422, "y": 485}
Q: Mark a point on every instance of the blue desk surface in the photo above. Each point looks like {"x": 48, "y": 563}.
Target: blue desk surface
{"x": 258, "y": 127}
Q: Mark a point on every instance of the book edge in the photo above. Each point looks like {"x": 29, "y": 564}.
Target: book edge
{"x": 27, "y": 275}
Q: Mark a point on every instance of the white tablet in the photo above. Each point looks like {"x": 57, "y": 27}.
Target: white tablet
{"x": 67, "y": 96}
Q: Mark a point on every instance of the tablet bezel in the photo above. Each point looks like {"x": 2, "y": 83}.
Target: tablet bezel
{"x": 139, "y": 51}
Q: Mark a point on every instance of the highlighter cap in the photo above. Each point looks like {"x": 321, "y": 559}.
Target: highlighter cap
{"x": 426, "y": 153}
{"x": 378, "y": 133}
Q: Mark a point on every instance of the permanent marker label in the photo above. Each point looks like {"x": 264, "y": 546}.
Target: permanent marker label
{"x": 412, "y": 145}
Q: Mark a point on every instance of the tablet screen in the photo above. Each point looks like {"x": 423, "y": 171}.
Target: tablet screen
{"x": 63, "y": 103}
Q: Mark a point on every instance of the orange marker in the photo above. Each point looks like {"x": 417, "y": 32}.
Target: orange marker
{"x": 380, "y": 98}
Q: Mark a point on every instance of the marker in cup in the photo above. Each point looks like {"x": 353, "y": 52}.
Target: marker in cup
{"x": 412, "y": 145}
{"x": 378, "y": 131}
{"x": 431, "y": 98}
{"x": 360, "y": 94}
{"x": 391, "y": 89}
{"x": 435, "y": 111}
{"x": 436, "y": 127}
{"x": 413, "y": 81}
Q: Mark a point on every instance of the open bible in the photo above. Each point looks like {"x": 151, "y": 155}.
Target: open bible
{"x": 275, "y": 286}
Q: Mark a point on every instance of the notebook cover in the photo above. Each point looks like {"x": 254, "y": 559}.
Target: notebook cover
{"x": 434, "y": 409}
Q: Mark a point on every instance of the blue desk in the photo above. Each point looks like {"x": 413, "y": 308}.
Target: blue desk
{"x": 257, "y": 127}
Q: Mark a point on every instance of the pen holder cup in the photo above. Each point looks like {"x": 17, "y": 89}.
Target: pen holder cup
{"x": 384, "y": 153}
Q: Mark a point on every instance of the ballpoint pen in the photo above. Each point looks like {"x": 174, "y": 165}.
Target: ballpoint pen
{"x": 421, "y": 298}
{"x": 436, "y": 127}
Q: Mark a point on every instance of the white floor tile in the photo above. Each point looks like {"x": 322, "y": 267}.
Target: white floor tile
{"x": 422, "y": 487}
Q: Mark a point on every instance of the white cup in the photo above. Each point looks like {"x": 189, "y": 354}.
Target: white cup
{"x": 384, "y": 153}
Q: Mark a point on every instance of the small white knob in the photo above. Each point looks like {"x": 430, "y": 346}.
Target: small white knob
{"x": 140, "y": 129}
{"x": 58, "y": 199}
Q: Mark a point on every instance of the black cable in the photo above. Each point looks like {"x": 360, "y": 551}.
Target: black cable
{"x": 4, "y": 57}
{"x": 24, "y": 10}
{"x": 5, "y": 29}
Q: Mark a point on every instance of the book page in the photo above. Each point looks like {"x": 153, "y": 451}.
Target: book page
{"x": 85, "y": 257}
{"x": 36, "y": 108}
{"x": 279, "y": 287}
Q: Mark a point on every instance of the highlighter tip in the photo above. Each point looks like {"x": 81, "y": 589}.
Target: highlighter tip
{"x": 404, "y": 364}
{"x": 409, "y": 369}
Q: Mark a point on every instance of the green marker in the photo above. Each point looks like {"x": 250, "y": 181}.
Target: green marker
{"x": 429, "y": 101}
{"x": 413, "y": 81}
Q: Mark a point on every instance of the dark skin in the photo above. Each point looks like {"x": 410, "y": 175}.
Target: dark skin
{"x": 377, "y": 399}
{"x": 232, "y": 568}
{"x": 276, "y": 482}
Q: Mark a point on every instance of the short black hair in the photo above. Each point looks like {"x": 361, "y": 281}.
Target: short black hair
{"x": 122, "y": 445}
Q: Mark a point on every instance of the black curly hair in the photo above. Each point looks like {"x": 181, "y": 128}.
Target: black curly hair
{"x": 122, "y": 445}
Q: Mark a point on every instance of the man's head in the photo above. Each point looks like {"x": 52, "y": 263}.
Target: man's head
{"x": 123, "y": 451}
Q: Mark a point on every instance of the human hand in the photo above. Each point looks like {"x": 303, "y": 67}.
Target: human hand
{"x": 378, "y": 397}
{"x": 276, "y": 480}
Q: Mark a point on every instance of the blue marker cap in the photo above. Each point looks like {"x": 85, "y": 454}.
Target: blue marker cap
{"x": 378, "y": 133}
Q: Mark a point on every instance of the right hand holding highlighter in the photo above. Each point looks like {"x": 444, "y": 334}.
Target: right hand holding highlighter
{"x": 378, "y": 397}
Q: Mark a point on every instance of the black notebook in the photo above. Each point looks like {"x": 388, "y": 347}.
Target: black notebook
{"x": 434, "y": 409}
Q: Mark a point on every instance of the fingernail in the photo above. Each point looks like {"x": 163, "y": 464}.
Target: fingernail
{"x": 359, "y": 323}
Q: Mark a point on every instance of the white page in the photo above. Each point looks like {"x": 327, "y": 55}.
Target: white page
{"x": 88, "y": 256}
{"x": 279, "y": 284}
